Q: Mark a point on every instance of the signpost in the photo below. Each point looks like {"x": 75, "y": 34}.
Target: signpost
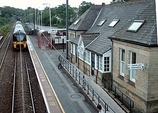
{"x": 136, "y": 66}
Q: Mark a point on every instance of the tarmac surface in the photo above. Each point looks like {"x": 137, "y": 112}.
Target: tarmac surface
{"x": 70, "y": 97}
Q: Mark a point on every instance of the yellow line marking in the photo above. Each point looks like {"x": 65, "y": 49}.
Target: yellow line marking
{"x": 61, "y": 107}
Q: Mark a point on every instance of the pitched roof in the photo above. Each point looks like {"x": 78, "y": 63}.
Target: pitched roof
{"x": 86, "y": 37}
{"x": 86, "y": 19}
{"x": 146, "y": 35}
{"x": 125, "y": 12}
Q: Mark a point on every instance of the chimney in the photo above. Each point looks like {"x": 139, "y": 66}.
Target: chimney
{"x": 156, "y": 2}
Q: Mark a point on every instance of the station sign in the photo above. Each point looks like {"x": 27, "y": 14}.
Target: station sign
{"x": 136, "y": 66}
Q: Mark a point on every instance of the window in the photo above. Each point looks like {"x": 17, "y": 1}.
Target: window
{"x": 101, "y": 22}
{"x": 72, "y": 35}
{"x": 97, "y": 61}
{"x": 58, "y": 40}
{"x": 132, "y": 71}
{"x": 100, "y": 63}
{"x": 81, "y": 56}
{"x": 122, "y": 62}
{"x": 87, "y": 56}
{"x": 135, "y": 26}
{"x": 107, "y": 64}
{"x": 76, "y": 22}
{"x": 93, "y": 60}
{"x": 113, "y": 23}
{"x": 73, "y": 49}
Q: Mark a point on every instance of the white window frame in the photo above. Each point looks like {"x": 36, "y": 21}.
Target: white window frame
{"x": 80, "y": 55}
{"x": 88, "y": 56}
{"x": 107, "y": 63}
{"x": 122, "y": 62}
{"x": 73, "y": 49}
{"x": 97, "y": 61}
{"x": 101, "y": 63}
{"x": 132, "y": 71}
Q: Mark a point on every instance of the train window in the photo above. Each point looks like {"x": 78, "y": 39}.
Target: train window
{"x": 20, "y": 37}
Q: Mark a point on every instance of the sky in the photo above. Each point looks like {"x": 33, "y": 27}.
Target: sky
{"x": 23, "y": 4}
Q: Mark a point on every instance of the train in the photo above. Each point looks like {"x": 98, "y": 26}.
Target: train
{"x": 19, "y": 36}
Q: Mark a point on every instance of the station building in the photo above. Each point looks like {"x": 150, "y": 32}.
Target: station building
{"x": 118, "y": 43}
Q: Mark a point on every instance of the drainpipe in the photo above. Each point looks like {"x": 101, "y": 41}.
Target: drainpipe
{"x": 97, "y": 69}
{"x": 112, "y": 63}
{"x": 84, "y": 62}
{"x": 156, "y": 4}
{"x": 78, "y": 60}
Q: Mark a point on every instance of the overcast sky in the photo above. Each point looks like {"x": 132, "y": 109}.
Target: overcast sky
{"x": 38, "y": 3}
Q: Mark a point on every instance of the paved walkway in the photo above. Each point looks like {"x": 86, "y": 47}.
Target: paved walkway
{"x": 90, "y": 79}
{"x": 104, "y": 95}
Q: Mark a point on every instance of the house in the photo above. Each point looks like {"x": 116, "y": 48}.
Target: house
{"x": 122, "y": 48}
{"x": 135, "y": 54}
{"x": 109, "y": 19}
{"x": 78, "y": 53}
{"x": 84, "y": 22}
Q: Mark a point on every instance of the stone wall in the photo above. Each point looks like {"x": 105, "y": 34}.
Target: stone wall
{"x": 143, "y": 89}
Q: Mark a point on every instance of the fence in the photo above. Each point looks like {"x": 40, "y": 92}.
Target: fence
{"x": 79, "y": 77}
{"x": 125, "y": 100}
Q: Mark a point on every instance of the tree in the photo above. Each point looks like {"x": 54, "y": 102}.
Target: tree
{"x": 60, "y": 14}
{"x": 45, "y": 16}
{"x": 29, "y": 14}
{"x": 10, "y": 14}
{"x": 84, "y": 6}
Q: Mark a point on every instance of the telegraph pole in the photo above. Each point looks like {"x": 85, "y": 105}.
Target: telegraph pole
{"x": 67, "y": 28}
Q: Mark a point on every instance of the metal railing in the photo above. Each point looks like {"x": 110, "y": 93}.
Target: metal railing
{"x": 79, "y": 77}
{"x": 124, "y": 99}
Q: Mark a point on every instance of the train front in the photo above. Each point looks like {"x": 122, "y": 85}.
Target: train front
{"x": 19, "y": 39}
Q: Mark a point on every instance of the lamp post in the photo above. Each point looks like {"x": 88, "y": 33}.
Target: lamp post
{"x": 49, "y": 14}
{"x": 41, "y": 19}
{"x": 35, "y": 22}
{"x": 67, "y": 28}
{"x": 35, "y": 17}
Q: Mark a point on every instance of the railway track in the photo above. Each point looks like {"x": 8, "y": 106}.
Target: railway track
{"x": 22, "y": 100}
{"x": 4, "y": 48}
{"x": 16, "y": 70}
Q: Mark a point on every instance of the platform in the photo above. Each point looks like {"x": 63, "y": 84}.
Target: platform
{"x": 51, "y": 100}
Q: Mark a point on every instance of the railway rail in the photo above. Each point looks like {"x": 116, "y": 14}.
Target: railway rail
{"x": 17, "y": 66}
{"x": 22, "y": 91}
{"x": 4, "y": 48}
